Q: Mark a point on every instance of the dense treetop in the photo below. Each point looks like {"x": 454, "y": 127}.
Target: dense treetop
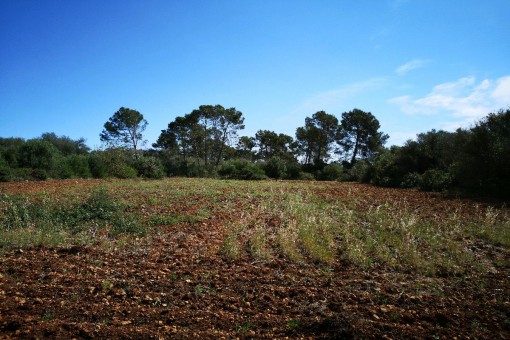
{"x": 206, "y": 142}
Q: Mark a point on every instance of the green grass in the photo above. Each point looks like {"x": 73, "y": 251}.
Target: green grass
{"x": 47, "y": 221}
{"x": 261, "y": 220}
{"x": 391, "y": 234}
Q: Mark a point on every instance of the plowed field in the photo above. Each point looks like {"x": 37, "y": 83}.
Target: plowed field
{"x": 194, "y": 258}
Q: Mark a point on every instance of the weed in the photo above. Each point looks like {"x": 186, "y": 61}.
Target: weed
{"x": 162, "y": 220}
{"x": 200, "y": 289}
{"x": 48, "y": 315}
{"x": 294, "y": 220}
{"x": 231, "y": 246}
{"x": 258, "y": 244}
{"x": 42, "y": 221}
{"x": 244, "y": 327}
{"x": 293, "y": 324}
{"x": 127, "y": 224}
{"x": 106, "y": 285}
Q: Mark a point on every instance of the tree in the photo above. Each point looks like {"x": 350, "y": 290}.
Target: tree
{"x": 271, "y": 144}
{"x": 437, "y": 148}
{"x": 359, "y": 134}
{"x": 124, "y": 129}
{"x": 10, "y": 149}
{"x": 205, "y": 134}
{"x": 226, "y": 123}
{"x": 38, "y": 154}
{"x": 245, "y": 146}
{"x": 484, "y": 166}
{"x": 315, "y": 138}
{"x": 178, "y": 137}
{"x": 66, "y": 145}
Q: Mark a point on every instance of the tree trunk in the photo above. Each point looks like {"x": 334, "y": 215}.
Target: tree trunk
{"x": 355, "y": 152}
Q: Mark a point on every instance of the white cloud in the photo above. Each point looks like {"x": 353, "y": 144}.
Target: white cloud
{"x": 411, "y": 65}
{"x": 330, "y": 100}
{"x": 502, "y": 91}
{"x": 454, "y": 87}
{"x": 460, "y": 102}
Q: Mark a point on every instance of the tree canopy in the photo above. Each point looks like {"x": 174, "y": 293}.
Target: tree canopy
{"x": 124, "y": 129}
{"x": 204, "y": 142}
{"x": 271, "y": 144}
{"x": 204, "y": 135}
{"x": 316, "y": 137}
{"x": 359, "y": 134}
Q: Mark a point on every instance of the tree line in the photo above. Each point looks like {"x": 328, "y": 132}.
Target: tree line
{"x": 207, "y": 143}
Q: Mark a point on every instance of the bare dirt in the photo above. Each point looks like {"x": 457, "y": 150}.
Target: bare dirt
{"x": 178, "y": 285}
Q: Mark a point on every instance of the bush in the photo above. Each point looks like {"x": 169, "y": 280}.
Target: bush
{"x": 100, "y": 205}
{"x": 149, "y": 167}
{"x": 172, "y": 165}
{"x": 111, "y": 163}
{"x": 275, "y": 168}
{"x": 78, "y": 166}
{"x": 194, "y": 169}
{"x": 127, "y": 224}
{"x": 39, "y": 174}
{"x": 124, "y": 171}
{"x": 38, "y": 154}
{"x": 384, "y": 171}
{"x": 241, "y": 169}
{"x": 306, "y": 176}
{"x": 435, "y": 180}
{"x": 5, "y": 173}
{"x": 97, "y": 166}
{"x": 331, "y": 172}
{"x": 5, "y": 170}
{"x": 360, "y": 172}
{"x": 411, "y": 180}
{"x": 293, "y": 170}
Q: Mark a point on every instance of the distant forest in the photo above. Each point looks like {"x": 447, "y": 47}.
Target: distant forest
{"x": 207, "y": 143}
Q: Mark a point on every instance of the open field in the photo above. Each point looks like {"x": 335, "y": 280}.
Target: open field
{"x": 188, "y": 258}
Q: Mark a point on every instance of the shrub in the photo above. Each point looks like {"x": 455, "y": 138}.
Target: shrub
{"x": 5, "y": 174}
{"x": 194, "y": 169}
{"x": 39, "y": 174}
{"x": 5, "y": 170}
{"x": 411, "y": 180}
{"x": 78, "y": 166}
{"x": 360, "y": 172}
{"x": 100, "y": 205}
{"x": 293, "y": 170}
{"x": 114, "y": 163}
{"x": 384, "y": 171}
{"x": 124, "y": 171}
{"x": 149, "y": 167}
{"x": 241, "y": 169}
{"x": 97, "y": 165}
{"x": 21, "y": 174}
{"x": 275, "y": 168}
{"x": 435, "y": 180}
{"x": 306, "y": 176}
{"x": 38, "y": 154}
{"x": 331, "y": 172}
{"x": 127, "y": 224}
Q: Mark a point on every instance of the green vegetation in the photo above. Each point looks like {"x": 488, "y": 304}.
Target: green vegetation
{"x": 391, "y": 234}
{"x": 46, "y": 220}
{"x": 467, "y": 161}
{"x": 124, "y": 128}
{"x": 263, "y": 220}
{"x": 205, "y": 143}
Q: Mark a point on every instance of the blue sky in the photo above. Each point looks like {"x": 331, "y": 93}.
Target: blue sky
{"x": 67, "y": 66}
